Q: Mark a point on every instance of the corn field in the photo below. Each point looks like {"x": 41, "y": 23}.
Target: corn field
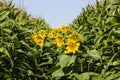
{"x": 86, "y": 49}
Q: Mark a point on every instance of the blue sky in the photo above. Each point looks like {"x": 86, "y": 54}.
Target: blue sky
{"x": 55, "y": 12}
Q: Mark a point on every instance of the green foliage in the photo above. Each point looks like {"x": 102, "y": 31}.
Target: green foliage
{"x": 17, "y": 50}
{"x": 100, "y": 26}
{"x": 97, "y": 58}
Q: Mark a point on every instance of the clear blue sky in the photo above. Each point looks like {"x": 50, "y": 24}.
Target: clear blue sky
{"x": 55, "y": 12}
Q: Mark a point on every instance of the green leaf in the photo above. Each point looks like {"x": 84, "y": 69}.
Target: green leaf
{"x": 115, "y": 63}
{"x": 84, "y": 76}
{"x": 113, "y": 77}
{"x": 3, "y": 15}
{"x": 3, "y": 50}
{"x": 29, "y": 72}
{"x": 26, "y": 31}
{"x": 58, "y": 74}
{"x": 20, "y": 51}
{"x": 24, "y": 43}
{"x": 97, "y": 77}
{"x": 75, "y": 75}
{"x": 7, "y": 77}
{"x": 66, "y": 60}
{"x": 118, "y": 78}
{"x": 7, "y": 30}
{"x": 116, "y": 4}
{"x": 50, "y": 61}
{"x": 94, "y": 54}
{"x": 48, "y": 44}
{"x": 53, "y": 69}
{"x": 117, "y": 42}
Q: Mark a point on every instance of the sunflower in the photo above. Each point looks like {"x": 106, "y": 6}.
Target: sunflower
{"x": 59, "y": 40}
{"x": 33, "y": 34}
{"x": 40, "y": 42}
{"x": 42, "y": 32}
{"x": 65, "y": 29}
{"x": 72, "y": 47}
{"x": 51, "y": 34}
{"x": 39, "y": 39}
{"x": 75, "y": 37}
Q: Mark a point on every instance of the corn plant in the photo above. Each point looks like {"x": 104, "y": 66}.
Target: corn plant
{"x": 100, "y": 26}
{"x": 16, "y": 44}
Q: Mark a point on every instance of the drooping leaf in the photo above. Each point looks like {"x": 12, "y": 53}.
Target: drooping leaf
{"x": 66, "y": 60}
{"x": 3, "y": 15}
{"x": 3, "y": 50}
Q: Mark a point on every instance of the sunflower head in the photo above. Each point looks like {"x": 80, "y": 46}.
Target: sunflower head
{"x": 75, "y": 37}
{"x": 72, "y": 47}
{"x": 39, "y": 39}
{"x": 51, "y": 34}
{"x": 42, "y": 32}
{"x": 33, "y": 34}
{"x": 59, "y": 41}
{"x": 65, "y": 29}
{"x": 40, "y": 42}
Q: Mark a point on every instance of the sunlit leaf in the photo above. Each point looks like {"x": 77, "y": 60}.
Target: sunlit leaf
{"x": 3, "y": 15}
{"x": 66, "y": 60}
{"x": 94, "y": 54}
{"x": 58, "y": 74}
